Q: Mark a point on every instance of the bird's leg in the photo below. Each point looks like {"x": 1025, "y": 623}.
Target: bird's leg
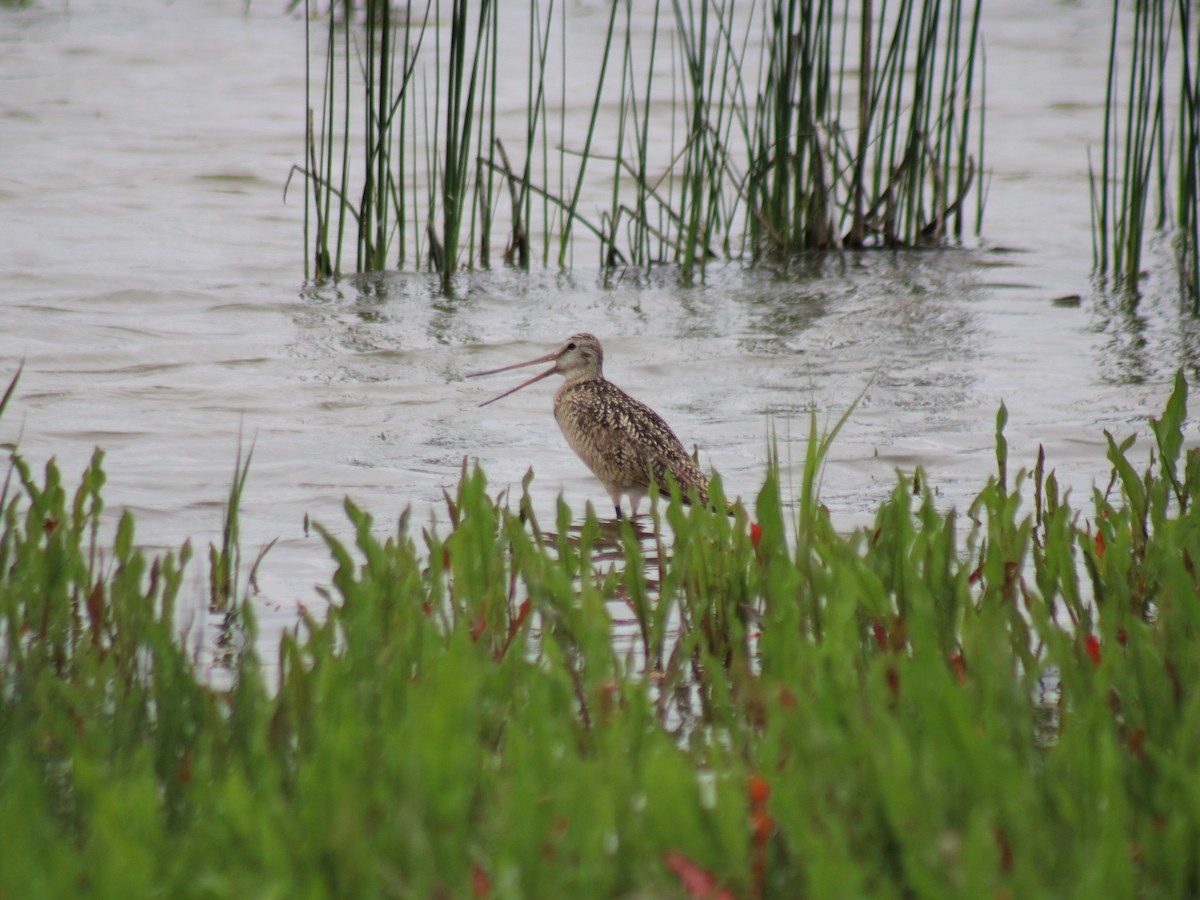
{"x": 617, "y": 507}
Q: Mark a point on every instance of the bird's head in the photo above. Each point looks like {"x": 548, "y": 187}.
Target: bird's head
{"x": 579, "y": 358}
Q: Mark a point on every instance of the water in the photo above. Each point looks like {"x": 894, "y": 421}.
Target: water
{"x": 153, "y": 286}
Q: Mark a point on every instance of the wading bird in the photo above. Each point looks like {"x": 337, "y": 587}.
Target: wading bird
{"x": 625, "y": 443}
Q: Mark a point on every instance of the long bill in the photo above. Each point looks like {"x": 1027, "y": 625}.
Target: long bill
{"x": 549, "y": 357}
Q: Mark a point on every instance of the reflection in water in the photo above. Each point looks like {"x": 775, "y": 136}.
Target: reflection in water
{"x": 672, "y": 672}
{"x": 1126, "y": 328}
{"x": 1147, "y": 337}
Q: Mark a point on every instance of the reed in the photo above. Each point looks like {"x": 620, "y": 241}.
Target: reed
{"x": 1188, "y": 188}
{"x": 738, "y": 152}
{"x": 767, "y": 168}
{"x": 1138, "y": 155}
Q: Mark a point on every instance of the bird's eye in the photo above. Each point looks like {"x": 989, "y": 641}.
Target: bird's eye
{"x": 571, "y": 346}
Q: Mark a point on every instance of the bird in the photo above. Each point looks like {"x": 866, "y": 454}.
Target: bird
{"x": 625, "y": 443}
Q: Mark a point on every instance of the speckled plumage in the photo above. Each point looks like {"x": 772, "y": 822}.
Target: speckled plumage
{"x": 624, "y": 442}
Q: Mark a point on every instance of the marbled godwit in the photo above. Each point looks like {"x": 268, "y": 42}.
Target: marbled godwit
{"x": 624, "y": 442}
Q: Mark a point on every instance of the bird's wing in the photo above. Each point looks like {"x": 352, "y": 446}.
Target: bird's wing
{"x": 610, "y": 430}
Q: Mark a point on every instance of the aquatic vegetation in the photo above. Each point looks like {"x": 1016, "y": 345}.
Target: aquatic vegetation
{"x": 717, "y": 131}
{"x": 999, "y": 700}
{"x": 1142, "y": 147}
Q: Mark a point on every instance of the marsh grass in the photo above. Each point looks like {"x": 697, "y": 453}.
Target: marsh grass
{"x": 1151, "y": 150}
{"x": 711, "y": 131}
{"x": 1000, "y": 700}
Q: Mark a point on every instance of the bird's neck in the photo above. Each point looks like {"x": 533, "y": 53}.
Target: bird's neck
{"x": 581, "y": 377}
{"x": 577, "y": 382}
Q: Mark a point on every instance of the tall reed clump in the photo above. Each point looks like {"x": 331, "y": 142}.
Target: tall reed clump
{"x": 1142, "y": 145}
{"x": 799, "y": 126}
{"x": 710, "y": 131}
{"x": 997, "y": 701}
{"x": 1188, "y": 191}
{"x": 415, "y": 99}
{"x": 383, "y": 94}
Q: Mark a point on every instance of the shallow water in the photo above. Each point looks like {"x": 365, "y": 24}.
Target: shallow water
{"x": 153, "y": 285}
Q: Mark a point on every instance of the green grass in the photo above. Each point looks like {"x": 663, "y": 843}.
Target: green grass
{"x": 995, "y": 701}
